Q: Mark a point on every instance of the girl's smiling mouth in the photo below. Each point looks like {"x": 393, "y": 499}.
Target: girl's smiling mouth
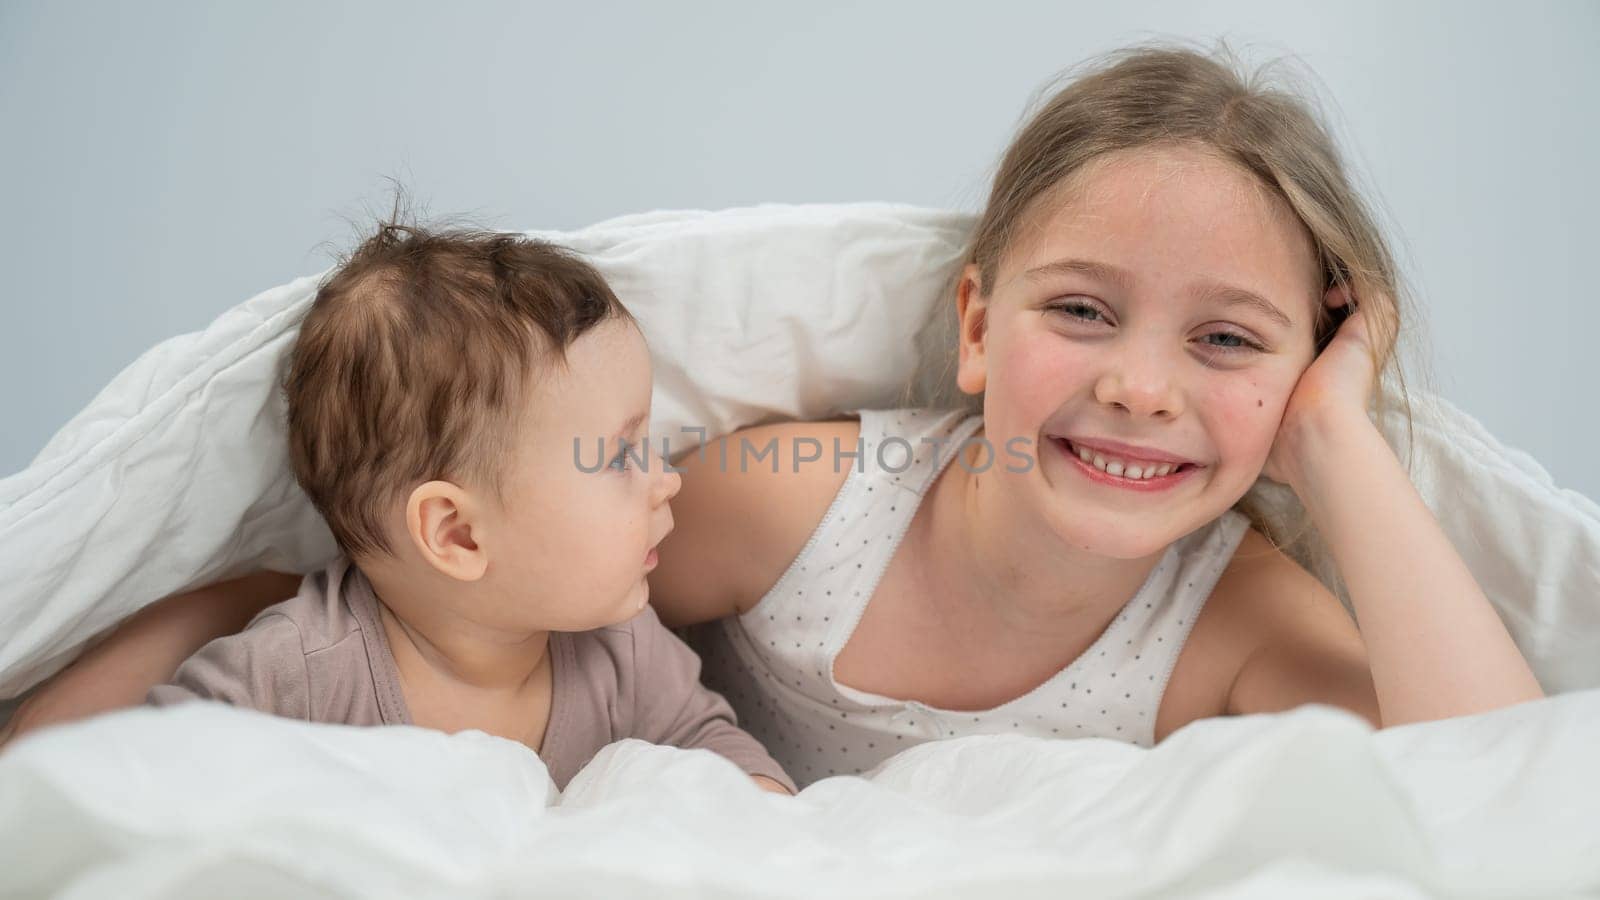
{"x": 1119, "y": 465}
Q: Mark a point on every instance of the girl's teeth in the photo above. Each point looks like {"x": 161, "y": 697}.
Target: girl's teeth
{"x": 1117, "y": 467}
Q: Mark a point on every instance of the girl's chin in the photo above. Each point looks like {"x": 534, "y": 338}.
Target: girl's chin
{"x": 1120, "y": 535}
{"x": 1113, "y": 546}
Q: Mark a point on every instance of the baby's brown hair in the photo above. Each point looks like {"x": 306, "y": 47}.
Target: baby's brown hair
{"x": 413, "y": 361}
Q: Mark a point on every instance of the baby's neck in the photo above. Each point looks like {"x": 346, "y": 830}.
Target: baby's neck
{"x": 436, "y": 637}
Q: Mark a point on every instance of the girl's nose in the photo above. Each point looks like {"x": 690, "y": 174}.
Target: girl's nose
{"x": 1141, "y": 383}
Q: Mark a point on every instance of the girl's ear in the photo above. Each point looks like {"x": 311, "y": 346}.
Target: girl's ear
{"x": 972, "y": 311}
{"x": 446, "y": 526}
{"x": 1339, "y": 302}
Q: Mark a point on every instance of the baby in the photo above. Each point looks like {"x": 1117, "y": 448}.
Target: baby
{"x": 466, "y": 410}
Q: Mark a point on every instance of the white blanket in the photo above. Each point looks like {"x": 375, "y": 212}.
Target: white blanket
{"x": 205, "y": 801}
{"x": 175, "y": 476}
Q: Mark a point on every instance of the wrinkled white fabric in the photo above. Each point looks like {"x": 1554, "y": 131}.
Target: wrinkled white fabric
{"x": 205, "y": 801}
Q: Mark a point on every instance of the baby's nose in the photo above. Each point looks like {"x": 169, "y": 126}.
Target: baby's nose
{"x": 667, "y": 485}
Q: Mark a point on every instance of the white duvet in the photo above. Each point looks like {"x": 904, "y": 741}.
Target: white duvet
{"x": 175, "y": 476}
{"x": 206, "y": 801}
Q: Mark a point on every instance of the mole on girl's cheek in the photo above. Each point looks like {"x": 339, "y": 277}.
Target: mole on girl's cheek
{"x": 1258, "y": 403}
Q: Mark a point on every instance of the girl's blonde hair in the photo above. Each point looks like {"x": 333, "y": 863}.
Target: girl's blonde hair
{"x": 1155, "y": 95}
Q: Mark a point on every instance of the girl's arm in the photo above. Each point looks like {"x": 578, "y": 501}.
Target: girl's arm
{"x": 739, "y": 520}
{"x": 146, "y": 649}
{"x": 1435, "y": 645}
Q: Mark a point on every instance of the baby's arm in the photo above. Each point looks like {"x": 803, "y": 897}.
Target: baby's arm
{"x": 262, "y": 667}
{"x": 146, "y": 649}
{"x": 672, "y": 707}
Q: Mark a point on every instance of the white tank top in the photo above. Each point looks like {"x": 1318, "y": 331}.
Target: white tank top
{"x": 775, "y": 662}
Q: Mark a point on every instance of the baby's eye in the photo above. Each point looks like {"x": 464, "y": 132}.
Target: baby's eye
{"x": 620, "y": 461}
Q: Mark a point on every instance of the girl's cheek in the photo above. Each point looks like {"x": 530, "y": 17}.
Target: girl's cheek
{"x": 1043, "y": 369}
{"x": 1245, "y": 412}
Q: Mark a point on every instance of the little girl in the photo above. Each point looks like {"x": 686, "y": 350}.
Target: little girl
{"x": 1148, "y": 322}
{"x": 1165, "y": 251}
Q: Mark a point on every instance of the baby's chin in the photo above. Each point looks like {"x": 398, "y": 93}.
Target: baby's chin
{"x": 633, "y": 602}
{"x": 627, "y": 604}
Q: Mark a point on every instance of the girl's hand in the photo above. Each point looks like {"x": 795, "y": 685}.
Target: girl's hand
{"x": 1434, "y": 644}
{"x": 1336, "y": 386}
{"x": 77, "y": 692}
{"x": 145, "y": 650}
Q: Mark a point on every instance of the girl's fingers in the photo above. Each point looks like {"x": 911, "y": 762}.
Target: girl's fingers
{"x": 1338, "y": 296}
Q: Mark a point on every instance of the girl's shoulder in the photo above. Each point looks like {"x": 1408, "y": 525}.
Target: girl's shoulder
{"x": 1270, "y": 637}
{"x": 748, "y": 504}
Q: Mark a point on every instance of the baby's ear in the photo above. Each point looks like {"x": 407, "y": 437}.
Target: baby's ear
{"x": 444, "y": 523}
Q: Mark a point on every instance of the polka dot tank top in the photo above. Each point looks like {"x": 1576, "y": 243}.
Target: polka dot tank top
{"x": 775, "y": 662}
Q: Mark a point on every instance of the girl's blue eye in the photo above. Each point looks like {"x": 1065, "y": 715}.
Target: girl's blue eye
{"x": 1078, "y": 310}
{"x": 1228, "y": 341}
{"x": 1238, "y": 342}
{"x": 620, "y": 461}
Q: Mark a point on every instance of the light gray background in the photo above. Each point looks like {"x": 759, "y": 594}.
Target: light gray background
{"x": 162, "y": 162}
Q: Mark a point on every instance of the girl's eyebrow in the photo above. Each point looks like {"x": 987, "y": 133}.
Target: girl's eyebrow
{"x": 1216, "y": 292}
{"x": 1231, "y": 296}
{"x": 1097, "y": 270}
